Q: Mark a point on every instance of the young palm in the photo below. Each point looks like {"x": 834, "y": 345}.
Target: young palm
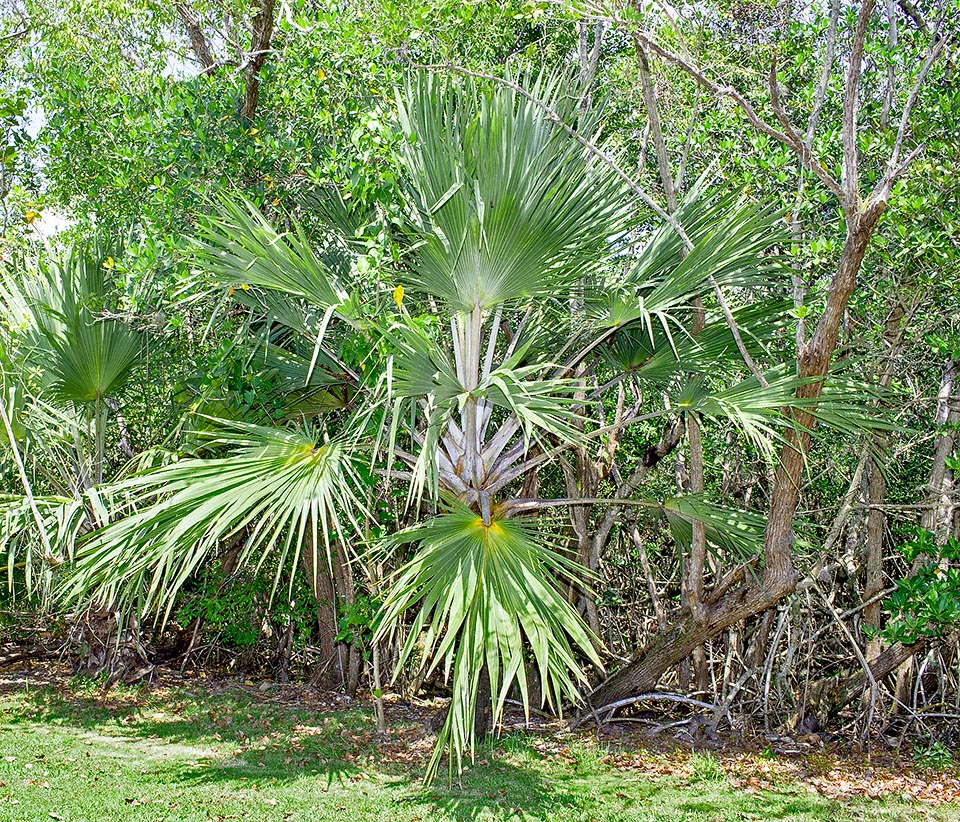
{"x": 522, "y": 273}
{"x": 61, "y": 364}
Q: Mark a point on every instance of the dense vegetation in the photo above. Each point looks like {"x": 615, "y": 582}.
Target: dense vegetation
{"x": 586, "y": 355}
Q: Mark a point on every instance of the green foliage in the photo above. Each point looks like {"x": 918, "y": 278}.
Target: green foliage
{"x": 935, "y": 757}
{"x": 358, "y": 621}
{"x": 926, "y": 603}
{"x": 235, "y": 608}
{"x": 706, "y": 768}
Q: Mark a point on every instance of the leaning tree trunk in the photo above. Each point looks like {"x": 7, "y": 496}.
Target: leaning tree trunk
{"x": 741, "y": 595}
{"x": 738, "y": 596}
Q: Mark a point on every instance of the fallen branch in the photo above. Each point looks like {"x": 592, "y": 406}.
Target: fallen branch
{"x": 595, "y": 713}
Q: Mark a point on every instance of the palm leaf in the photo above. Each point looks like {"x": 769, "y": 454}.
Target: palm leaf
{"x": 736, "y": 533}
{"x": 487, "y": 594}
{"x": 731, "y": 245}
{"x": 93, "y": 360}
{"x": 506, "y": 205}
{"x": 238, "y": 245}
{"x": 273, "y": 487}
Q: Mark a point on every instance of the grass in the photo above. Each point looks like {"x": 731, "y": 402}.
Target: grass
{"x": 184, "y": 753}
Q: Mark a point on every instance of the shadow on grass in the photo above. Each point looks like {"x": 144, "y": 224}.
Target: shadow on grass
{"x": 209, "y": 737}
{"x": 739, "y": 805}
{"x": 233, "y": 740}
{"x": 517, "y": 780}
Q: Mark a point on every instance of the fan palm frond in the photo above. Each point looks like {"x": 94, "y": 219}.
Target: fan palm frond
{"x": 238, "y": 245}
{"x": 272, "y": 488}
{"x": 485, "y": 594}
{"x": 507, "y": 205}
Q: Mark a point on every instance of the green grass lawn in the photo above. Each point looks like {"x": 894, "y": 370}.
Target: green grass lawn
{"x": 185, "y": 753}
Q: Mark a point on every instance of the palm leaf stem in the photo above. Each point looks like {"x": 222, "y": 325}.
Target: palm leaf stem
{"x": 25, "y": 481}
{"x": 504, "y": 474}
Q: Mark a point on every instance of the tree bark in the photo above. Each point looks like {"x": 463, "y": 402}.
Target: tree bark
{"x": 259, "y": 48}
{"x": 876, "y": 523}
{"x": 334, "y": 668}
{"x": 937, "y": 513}
{"x": 198, "y": 40}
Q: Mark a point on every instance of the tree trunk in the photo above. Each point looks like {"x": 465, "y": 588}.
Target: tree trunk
{"x": 327, "y": 581}
{"x": 876, "y": 523}
{"x": 259, "y": 49}
{"x": 779, "y": 576}
{"x": 937, "y": 515}
{"x": 482, "y": 712}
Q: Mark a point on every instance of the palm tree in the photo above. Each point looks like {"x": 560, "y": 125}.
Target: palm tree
{"x": 527, "y": 275}
{"x": 62, "y": 365}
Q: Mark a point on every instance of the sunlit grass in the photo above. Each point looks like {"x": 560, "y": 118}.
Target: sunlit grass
{"x": 178, "y": 754}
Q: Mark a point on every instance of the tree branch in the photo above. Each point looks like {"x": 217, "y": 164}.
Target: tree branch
{"x": 198, "y": 41}
{"x": 805, "y": 155}
{"x": 849, "y": 180}
{"x": 259, "y": 49}
{"x": 821, "y": 94}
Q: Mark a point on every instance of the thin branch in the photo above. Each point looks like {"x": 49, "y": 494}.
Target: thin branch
{"x": 850, "y": 181}
{"x": 656, "y": 132}
{"x": 894, "y": 166}
{"x": 821, "y": 94}
{"x": 860, "y": 658}
{"x": 652, "y": 697}
{"x": 535, "y": 503}
{"x": 732, "y": 325}
{"x": 892, "y": 39}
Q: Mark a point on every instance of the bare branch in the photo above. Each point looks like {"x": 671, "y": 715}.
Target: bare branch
{"x": 805, "y": 155}
{"x": 656, "y": 132}
{"x": 732, "y": 325}
{"x": 821, "y": 94}
{"x": 849, "y": 179}
{"x": 589, "y": 58}
{"x": 888, "y": 92}
{"x": 936, "y": 49}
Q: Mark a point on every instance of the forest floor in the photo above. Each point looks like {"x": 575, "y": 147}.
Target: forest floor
{"x": 210, "y": 748}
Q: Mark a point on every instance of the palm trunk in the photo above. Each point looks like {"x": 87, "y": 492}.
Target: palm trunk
{"x": 335, "y": 667}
